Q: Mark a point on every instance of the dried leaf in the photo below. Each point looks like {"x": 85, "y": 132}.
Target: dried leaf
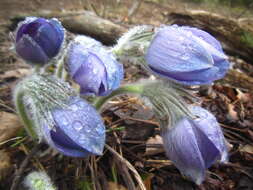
{"x": 148, "y": 181}
{"x": 232, "y": 114}
{"x": 115, "y": 186}
{"x": 244, "y": 97}
{"x": 157, "y": 147}
{"x": 10, "y": 124}
{"x": 5, "y": 164}
{"x": 18, "y": 73}
{"x": 247, "y": 148}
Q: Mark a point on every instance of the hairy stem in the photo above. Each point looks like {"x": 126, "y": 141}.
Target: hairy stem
{"x": 59, "y": 69}
{"x": 128, "y": 89}
{"x": 20, "y": 106}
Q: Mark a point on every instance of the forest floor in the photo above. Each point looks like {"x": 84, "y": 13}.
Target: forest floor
{"x": 138, "y": 140}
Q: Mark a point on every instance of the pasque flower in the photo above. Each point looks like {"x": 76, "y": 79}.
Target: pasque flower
{"x": 38, "y": 40}
{"x": 193, "y": 145}
{"x": 79, "y": 130}
{"x": 92, "y": 67}
{"x": 52, "y": 111}
{"x": 186, "y": 55}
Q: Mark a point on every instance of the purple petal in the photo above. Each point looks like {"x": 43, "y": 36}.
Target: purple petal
{"x": 208, "y": 124}
{"x": 182, "y": 148}
{"x": 77, "y": 55}
{"x": 223, "y": 68}
{"x": 30, "y": 50}
{"x": 187, "y": 55}
{"x": 209, "y": 151}
{"x": 82, "y": 124}
{"x": 93, "y": 68}
{"x": 177, "y": 51}
{"x": 39, "y": 39}
{"x": 91, "y": 75}
{"x": 205, "y": 76}
{"x": 30, "y": 27}
{"x": 50, "y": 37}
{"x": 56, "y": 141}
{"x": 204, "y": 36}
{"x": 213, "y": 46}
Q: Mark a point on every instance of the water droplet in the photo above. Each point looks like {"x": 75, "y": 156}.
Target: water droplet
{"x": 74, "y": 107}
{"x": 77, "y": 125}
{"x": 95, "y": 71}
{"x": 81, "y": 104}
{"x": 64, "y": 120}
{"x": 99, "y": 130}
{"x": 185, "y": 57}
{"x": 87, "y": 129}
{"x": 83, "y": 139}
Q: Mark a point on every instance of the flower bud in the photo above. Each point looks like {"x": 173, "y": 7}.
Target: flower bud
{"x": 79, "y": 130}
{"x": 193, "y": 145}
{"x": 38, "y": 181}
{"x": 92, "y": 67}
{"x": 38, "y": 40}
{"x": 65, "y": 121}
{"x": 186, "y": 55}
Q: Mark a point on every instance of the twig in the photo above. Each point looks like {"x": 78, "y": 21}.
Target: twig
{"x": 127, "y": 177}
{"x": 128, "y": 165}
{"x": 136, "y": 5}
{"x": 23, "y": 165}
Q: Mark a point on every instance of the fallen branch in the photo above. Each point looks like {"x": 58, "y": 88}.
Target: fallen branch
{"x": 84, "y": 22}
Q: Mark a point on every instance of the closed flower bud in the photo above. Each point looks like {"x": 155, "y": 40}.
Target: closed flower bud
{"x": 38, "y": 40}
{"x": 79, "y": 130}
{"x": 38, "y": 181}
{"x": 93, "y": 68}
{"x": 59, "y": 116}
{"x": 186, "y": 55}
{"x": 193, "y": 145}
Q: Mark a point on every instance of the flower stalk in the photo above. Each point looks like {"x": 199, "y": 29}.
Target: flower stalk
{"x": 20, "y": 107}
{"x": 127, "y": 89}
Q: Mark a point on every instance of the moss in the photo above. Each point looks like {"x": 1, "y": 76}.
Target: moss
{"x": 247, "y": 38}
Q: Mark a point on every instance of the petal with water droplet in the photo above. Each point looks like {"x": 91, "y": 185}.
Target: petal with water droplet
{"x": 91, "y": 122}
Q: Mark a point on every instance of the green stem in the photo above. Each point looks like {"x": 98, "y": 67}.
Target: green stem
{"x": 59, "y": 69}
{"x": 20, "y": 106}
{"x": 59, "y": 72}
{"x": 132, "y": 89}
{"x": 36, "y": 69}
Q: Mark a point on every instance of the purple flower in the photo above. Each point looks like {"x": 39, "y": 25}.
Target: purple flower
{"x": 186, "y": 55}
{"x": 79, "y": 130}
{"x": 38, "y": 40}
{"x": 92, "y": 67}
{"x": 194, "y": 145}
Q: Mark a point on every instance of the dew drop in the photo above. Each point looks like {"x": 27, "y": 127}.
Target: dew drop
{"x": 83, "y": 139}
{"x": 99, "y": 130}
{"x": 64, "y": 120}
{"x": 95, "y": 71}
{"x": 74, "y": 107}
{"x": 77, "y": 125}
{"x": 185, "y": 57}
